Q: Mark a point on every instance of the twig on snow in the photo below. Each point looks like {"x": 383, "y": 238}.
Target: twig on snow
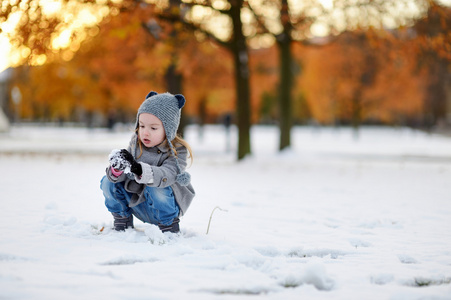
{"x": 211, "y": 215}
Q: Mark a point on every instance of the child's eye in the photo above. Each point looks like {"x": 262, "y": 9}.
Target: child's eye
{"x": 153, "y": 128}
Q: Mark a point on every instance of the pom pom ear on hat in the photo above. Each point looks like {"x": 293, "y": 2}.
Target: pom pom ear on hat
{"x": 152, "y": 93}
{"x": 181, "y": 100}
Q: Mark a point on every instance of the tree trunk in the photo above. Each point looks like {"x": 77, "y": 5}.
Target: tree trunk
{"x": 356, "y": 117}
{"x": 174, "y": 86}
{"x": 435, "y": 101}
{"x": 286, "y": 78}
{"x": 173, "y": 80}
{"x": 241, "y": 62}
{"x": 285, "y": 87}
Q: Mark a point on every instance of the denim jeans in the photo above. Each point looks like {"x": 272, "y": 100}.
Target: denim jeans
{"x": 160, "y": 206}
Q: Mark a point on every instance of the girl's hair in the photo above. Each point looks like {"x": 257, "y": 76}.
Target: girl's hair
{"x": 176, "y": 142}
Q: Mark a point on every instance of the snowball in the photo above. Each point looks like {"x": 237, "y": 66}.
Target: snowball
{"x": 118, "y": 162}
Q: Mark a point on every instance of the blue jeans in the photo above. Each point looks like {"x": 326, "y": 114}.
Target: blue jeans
{"x": 160, "y": 206}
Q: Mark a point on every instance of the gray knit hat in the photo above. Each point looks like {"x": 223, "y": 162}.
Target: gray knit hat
{"x": 167, "y": 108}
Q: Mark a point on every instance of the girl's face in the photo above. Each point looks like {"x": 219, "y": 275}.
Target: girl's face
{"x": 150, "y": 130}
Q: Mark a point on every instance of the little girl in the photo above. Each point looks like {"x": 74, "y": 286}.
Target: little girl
{"x": 148, "y": 179}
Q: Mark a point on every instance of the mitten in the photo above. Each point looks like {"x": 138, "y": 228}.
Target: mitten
{"x": 117, "y": 162}
{"x": 135, "y": 167}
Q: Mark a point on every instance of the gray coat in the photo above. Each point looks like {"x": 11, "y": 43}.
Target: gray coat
{"x": 162, "y": 164}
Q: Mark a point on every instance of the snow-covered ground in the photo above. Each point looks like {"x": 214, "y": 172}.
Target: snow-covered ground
{"x": 332, "y": 218}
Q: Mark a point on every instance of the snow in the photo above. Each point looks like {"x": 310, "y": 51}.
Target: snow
{"x": 331, "y": 218}
{"x": 117, "y": 161}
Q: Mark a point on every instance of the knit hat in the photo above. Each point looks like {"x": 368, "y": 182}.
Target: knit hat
{"x": 167, "y": 108}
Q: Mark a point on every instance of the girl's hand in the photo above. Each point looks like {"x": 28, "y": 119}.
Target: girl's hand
{"x": 117, "y": 162}
{"x": 135, "y": 167}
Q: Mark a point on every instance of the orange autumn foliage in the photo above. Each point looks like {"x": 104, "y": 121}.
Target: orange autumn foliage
{"x": 373, "y": 74}
{"x": 114, "y": 72}
{"x": 264, "y": 78}
{"x": 207, "y": 79}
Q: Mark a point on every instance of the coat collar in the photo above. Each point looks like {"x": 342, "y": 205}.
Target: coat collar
{"x": 163, "y": 147}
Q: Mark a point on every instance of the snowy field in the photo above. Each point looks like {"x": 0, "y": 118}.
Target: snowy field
{"x": 332, "y": 218}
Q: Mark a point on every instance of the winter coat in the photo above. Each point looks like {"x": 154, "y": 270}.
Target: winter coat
{"x": 164, "y": 169}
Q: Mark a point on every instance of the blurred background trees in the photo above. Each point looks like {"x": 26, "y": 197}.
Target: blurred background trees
{"x": 279, "y": 62}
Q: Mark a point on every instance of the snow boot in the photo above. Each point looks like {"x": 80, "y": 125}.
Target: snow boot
{"x": 122, "y": 223}
{"x": 174, "y": 227}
